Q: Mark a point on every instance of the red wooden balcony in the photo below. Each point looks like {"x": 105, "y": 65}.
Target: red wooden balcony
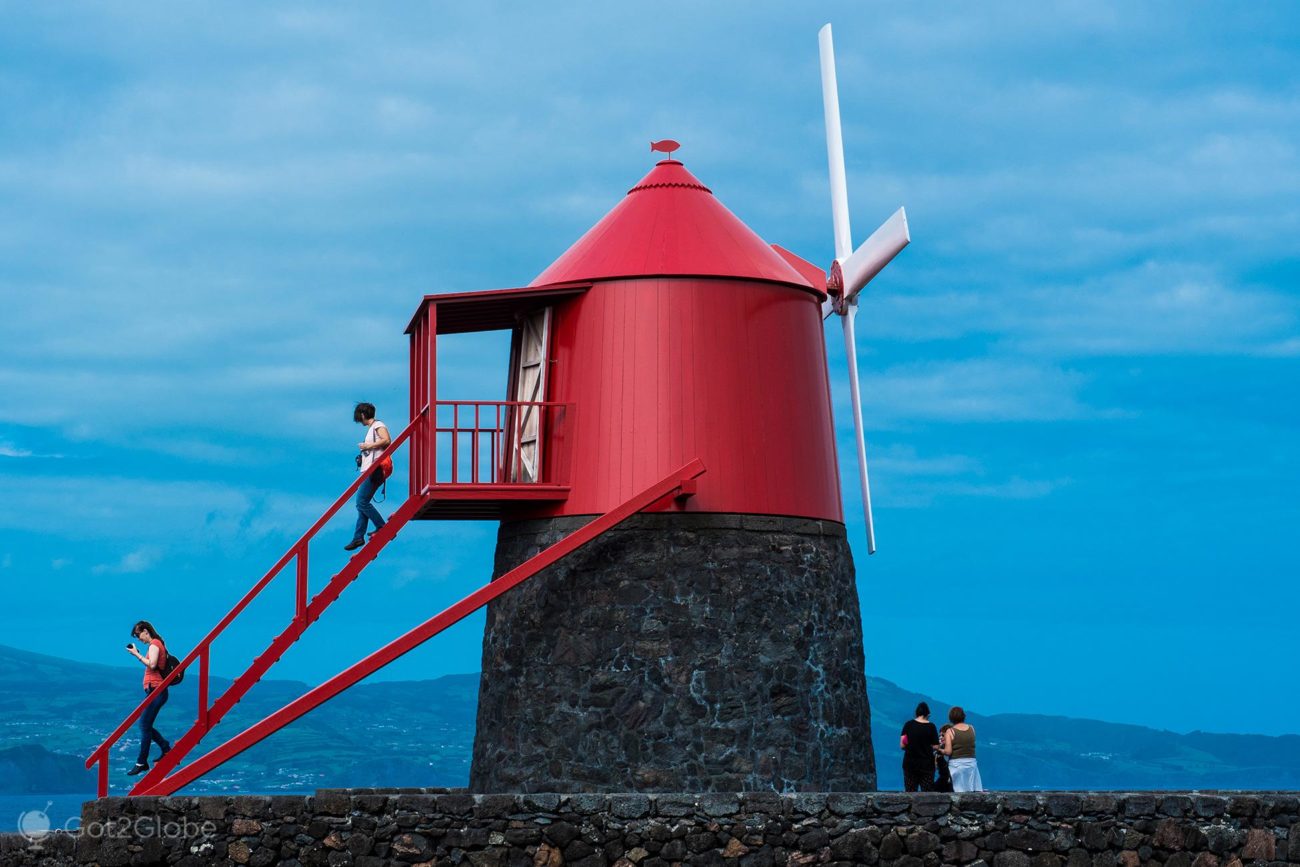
{"x": 488, "y": 460}
{"x": 484, "y": 459}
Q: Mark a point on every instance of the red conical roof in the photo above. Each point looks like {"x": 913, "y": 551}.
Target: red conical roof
{"x": 670, "y": 224}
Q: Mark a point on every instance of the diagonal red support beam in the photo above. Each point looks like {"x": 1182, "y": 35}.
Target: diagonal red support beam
{"x": 673, "y": 484}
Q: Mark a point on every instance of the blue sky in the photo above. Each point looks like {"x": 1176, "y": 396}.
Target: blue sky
{"x": 1079, "y": 380}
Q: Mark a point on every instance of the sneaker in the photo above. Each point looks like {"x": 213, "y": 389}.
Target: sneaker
{"x": 138, "y": 769}
{"x": 353, "y": 545}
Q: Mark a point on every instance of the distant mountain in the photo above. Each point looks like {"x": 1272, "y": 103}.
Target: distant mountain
{"x": 394, "y": 734}
{"x": 1032, "y": 751}
{"x": 32, "y": 769}
{"x": 54, "y": 711}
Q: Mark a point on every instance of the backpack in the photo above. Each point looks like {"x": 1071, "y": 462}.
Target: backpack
{"x": 170, "y": 665}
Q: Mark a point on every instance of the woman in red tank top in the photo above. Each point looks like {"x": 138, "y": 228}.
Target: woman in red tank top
{"x": 155, "y": 661}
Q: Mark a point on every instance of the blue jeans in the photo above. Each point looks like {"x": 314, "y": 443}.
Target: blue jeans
{"x": 365, "y": 511}
{"x": 147, "y": 732}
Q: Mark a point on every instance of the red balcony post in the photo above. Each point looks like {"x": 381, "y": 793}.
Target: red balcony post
{"x": 516, "y": 443}
{"x": 413, "y": 404}
{"x": 413, "y": 399}
{"x": 543, "y": 433}
{"x": 498, "y": 473}
{"x": 431, "y": 391}
{"x": 455, "y": 444}
{"x": 473, "y": 455}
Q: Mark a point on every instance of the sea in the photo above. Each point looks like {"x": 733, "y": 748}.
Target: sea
{"x": 61, "y": 811}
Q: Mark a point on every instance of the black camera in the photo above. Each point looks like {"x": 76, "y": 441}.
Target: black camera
{"x": 358, "y": 461}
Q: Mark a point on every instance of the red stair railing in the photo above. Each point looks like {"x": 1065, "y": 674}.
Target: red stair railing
{"x": 305, "y": 613}
{"x": 680, "y": 484}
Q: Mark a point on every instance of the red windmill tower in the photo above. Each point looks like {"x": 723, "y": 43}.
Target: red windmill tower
{"x": 682, "y": 613}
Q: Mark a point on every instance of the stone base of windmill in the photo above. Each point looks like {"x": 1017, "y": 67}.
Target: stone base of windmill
{"x": 678, "y": 652}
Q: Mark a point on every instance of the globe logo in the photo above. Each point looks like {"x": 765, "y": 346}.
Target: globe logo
{"x": 34, "y": 824}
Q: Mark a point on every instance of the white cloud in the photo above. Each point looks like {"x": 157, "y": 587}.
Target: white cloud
{"x": 9, "y": 450}
{"x": 1289, "y": 348}
{"x": 904, "y": 461}
{"x": 1158, "y": 309}
{"x": 904, "y": 478}
{"x": 923, "y": 494}
{"x": 972, "y": 390}
{"x": 183, "y": 514}
{"x": 1155, "y": 308}
{"x": 226, "y": 231}
{"x": 133, "y": 562}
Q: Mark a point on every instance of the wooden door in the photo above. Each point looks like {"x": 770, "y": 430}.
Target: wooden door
{"x": 527, "y": 429}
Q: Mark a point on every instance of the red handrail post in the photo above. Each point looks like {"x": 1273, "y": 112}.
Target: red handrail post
{"x": 300, "y": 606}
{"x": 103, "y": 776}
{"x": 203, "y": 685}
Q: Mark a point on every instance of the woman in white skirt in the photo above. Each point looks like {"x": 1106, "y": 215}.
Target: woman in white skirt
{"x": 959, "y": 747}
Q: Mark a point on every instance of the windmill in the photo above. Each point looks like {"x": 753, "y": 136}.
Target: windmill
{"x": 646, "y": 630}
{"x": 852, "y": 269}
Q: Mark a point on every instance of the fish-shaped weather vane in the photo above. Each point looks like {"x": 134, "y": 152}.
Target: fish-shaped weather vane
{"x": 665, "y": 146}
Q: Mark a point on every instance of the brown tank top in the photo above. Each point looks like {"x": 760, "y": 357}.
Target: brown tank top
{"x": 963, "y": 743}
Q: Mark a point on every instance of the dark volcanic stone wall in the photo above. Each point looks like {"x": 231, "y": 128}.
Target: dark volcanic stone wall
{"x": 368, "y": 828}
{"x": 677, "y": 652}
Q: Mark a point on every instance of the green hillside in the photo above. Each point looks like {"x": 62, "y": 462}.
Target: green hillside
{"x": 1029, "y": 751}
{"x": 54, "y": 711}
{"x": 397, "y": 734}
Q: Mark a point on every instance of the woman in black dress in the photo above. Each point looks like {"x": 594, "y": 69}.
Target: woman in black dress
{"x": 918, "y": 740}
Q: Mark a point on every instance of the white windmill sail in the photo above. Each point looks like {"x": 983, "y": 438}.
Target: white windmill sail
{"x": 852, "y": 269}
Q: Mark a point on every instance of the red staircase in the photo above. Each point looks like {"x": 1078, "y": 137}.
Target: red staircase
{"x": 485, "y": 493}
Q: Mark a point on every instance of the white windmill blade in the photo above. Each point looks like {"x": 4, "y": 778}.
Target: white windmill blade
{"x": 851, "y": 354}
{"x": 875, "y": 253}
{"x": 852, "y": 269}
{"x": 835, "y": 147}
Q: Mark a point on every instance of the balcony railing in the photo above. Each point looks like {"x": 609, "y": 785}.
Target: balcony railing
{"x": 477, "y": 442}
